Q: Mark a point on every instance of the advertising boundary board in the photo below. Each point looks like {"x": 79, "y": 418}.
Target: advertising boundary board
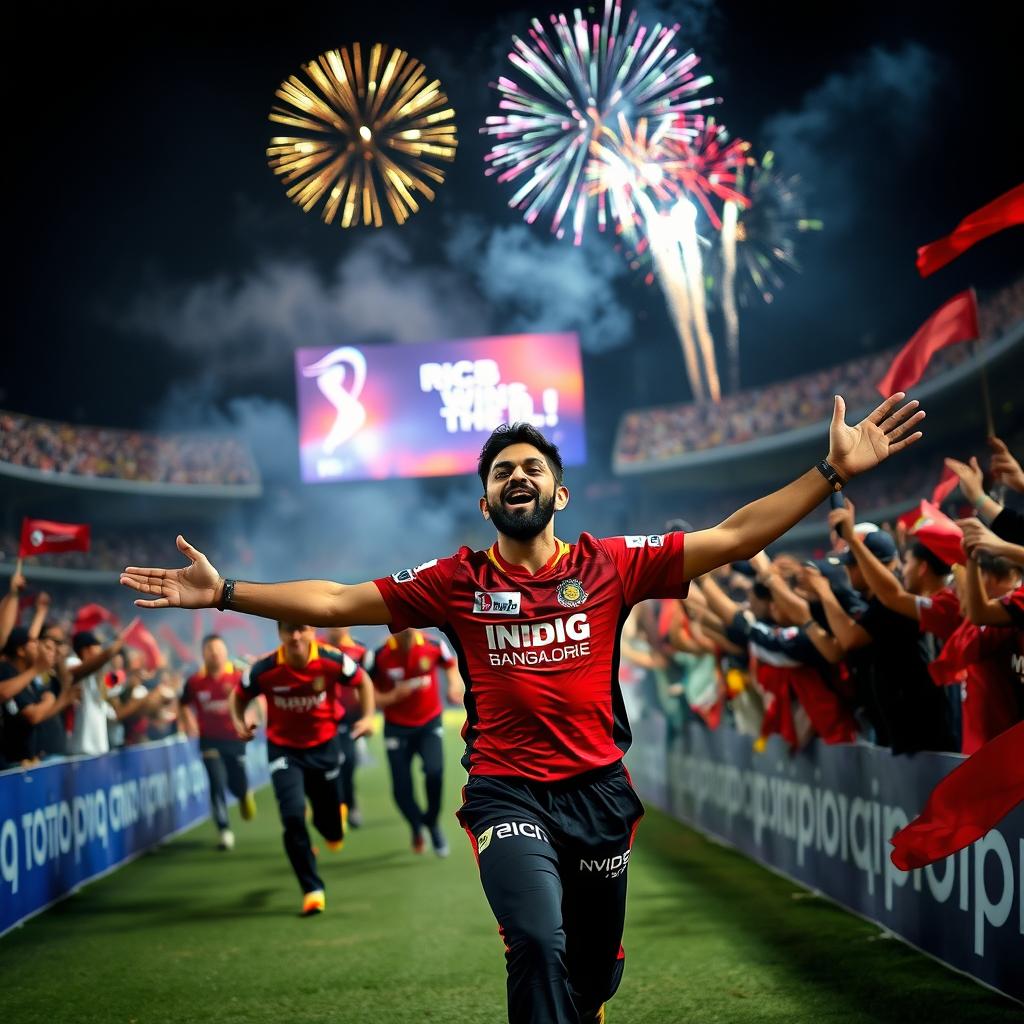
{"x": 69, "y": 822}
{"x": 822, "y": 819}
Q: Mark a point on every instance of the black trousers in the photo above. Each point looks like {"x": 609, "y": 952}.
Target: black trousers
{"x": 403, "y": 743}
{"x": 224, "y": 761}
{"x": 298, "y": 773}
{"x": 347, "y": 746}
{"x": 553, "y": 860}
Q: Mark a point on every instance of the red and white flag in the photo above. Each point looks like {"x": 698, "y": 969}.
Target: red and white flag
{"x": 41, "y": 536}
{"x": 950, "y": 324}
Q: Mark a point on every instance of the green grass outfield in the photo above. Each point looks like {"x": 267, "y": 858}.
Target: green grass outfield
{"x": 188, "y": 934}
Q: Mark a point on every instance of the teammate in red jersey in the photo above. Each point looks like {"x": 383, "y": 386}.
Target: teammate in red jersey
{"x": 349, "y": 711}
{"x": 300, "y": 681}
{"x": 205, "y": 712}
{"x": 405, "y": 673}
{"x": 535, "y": 623}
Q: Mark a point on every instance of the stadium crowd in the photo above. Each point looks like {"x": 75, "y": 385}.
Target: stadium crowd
{"x": 662, "y": 434}
{"x": 135, "y": 455}
{"x": 911, "y": 639}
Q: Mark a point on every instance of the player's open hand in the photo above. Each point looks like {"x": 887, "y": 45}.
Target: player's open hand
{"x": 363, "y": 727}
{"x": 887, "y": 430}
{"x": 195, "y": 586}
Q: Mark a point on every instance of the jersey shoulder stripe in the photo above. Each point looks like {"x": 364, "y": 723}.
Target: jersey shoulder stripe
{"x": 261, "y": 667}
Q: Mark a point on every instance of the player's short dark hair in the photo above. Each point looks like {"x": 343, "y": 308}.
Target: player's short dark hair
{"x": 209, "y": 638}
{"x": 519, "y": 433}
{"x": 932, "y": 560}
{"x": 281, "y": 624}
{"x": 999, "y": 568}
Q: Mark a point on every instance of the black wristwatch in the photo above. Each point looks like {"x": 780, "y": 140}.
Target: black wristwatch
{"x": 227, "y": 595}
{"x": 831, "y": 474}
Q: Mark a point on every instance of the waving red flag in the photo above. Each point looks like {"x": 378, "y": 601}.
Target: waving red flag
{"x": 140, "y": 637}
{"x": 39, "y": 536}
{"x": 973, "y": 798}
{"x": 950, "y": 324}
{"x": 1001, "y": 213}
{"x": 92, "y": 615}
{"x": 945, "y": 487}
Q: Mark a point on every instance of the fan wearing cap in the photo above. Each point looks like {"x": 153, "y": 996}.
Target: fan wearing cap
{"x": 890, "y": 671}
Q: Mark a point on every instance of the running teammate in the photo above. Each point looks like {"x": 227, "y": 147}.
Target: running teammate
{"x": 535, "y": 623}
{"x": 349, "y": 712}
{"x": 300, "y": 681}
{"x": 205, "y": 712}
{"x": 405, "y": 673}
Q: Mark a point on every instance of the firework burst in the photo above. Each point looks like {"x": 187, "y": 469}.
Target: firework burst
{"x": 370, "y": 129}
{"x": 577, "y": 81}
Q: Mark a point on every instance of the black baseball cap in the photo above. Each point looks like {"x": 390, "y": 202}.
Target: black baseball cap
{"x": 878, "y": 542}
{"x": 80, "y": 641}
{"x": 17, "y": 637}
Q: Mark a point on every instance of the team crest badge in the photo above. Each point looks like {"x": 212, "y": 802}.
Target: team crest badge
{"x": 571, "y": 593}
{"x": 424, "y": 664}
{"x": 319, "y": 683}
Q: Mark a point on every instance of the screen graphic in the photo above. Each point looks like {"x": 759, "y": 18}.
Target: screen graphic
{"x": 373, "y": 412}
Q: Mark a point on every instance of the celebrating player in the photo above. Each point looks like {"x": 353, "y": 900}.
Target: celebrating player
{"x": 535, "y": 623}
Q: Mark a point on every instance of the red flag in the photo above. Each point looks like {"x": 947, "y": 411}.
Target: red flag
{"x": 90, "y": 616}
{"x": 41, "y": 535}
{"x": 945, "y": 487}
{"x": 937, "y": 532}
{"x": 1001, "y": 213}
{"x": 954, "y": 322}
{"x": 973, "y": 798}
{"x": 180, "y": 648}
{"x": 140, "y": 637}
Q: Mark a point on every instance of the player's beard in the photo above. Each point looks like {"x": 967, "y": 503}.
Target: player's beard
{"x": 522, "y": 525}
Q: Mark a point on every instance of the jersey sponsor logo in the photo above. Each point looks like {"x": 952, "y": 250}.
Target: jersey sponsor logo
{"x": 609, "y": 867}
{"x": 408, "y": 575}
{"x": 1017, "y": 664}
{"x": 527, "y": 829}
{"x": 305, "y": 702}
{"x": 571, "y": 593}
{"x": 497, "y": 602}
{"x": 652, "y": 540}
{"x": 539, "y": 643}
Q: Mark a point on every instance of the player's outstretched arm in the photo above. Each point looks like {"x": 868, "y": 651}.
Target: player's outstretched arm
{"x": 307, "y": 602}
{"x": 852, "y": 451}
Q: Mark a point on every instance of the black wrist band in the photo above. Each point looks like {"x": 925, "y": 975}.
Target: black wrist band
{"x": 807, "y": 625}
{"x": 831, "y": 474}
{"x": 227, "y": 595}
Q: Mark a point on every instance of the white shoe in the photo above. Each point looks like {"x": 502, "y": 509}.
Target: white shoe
{"x": 439, "y": 842}
{"x": 227, "y": 839}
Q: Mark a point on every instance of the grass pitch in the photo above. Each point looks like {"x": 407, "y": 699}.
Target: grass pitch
{"x": 188, "y": 934}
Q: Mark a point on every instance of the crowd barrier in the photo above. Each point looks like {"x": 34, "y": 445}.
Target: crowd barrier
{"x": 823, "y": 818}
{"x": 71, "y": 821}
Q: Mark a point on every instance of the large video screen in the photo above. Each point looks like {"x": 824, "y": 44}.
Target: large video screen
{"x": 372, "y": 412}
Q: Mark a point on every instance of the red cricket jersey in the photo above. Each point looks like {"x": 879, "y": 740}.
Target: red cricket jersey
{"x": 939, "y": 614}
{"x": 349, "y": 708}
{"x": 391, "y": 664}
{"x": 539, "y": 653}
{"x": 208, "y": 696}
{"x": 302, "y": 704}
{"x": 981, "y": 658}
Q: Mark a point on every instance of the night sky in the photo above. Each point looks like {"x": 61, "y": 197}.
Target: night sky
{"x": 159, "y": 271}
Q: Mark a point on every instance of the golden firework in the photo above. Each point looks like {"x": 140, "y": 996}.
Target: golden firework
{"x": 370, "y": 129}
